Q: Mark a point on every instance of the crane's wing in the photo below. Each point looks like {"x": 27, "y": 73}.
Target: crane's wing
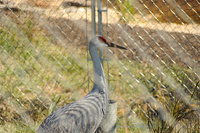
{"x": 83, "y": 115}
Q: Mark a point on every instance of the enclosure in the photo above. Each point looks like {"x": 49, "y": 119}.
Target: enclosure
{"x": 45, "y": 64}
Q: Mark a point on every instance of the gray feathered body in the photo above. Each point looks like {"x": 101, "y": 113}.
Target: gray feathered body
{"x": 84, "y": 115}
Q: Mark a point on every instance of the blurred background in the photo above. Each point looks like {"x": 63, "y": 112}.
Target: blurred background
{"x": 44, "y": 62}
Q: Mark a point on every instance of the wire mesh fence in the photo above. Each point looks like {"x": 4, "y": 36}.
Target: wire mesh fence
{"x": 43, "y": 62}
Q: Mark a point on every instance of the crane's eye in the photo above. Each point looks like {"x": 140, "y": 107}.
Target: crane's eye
{"x": 103, "y": 40}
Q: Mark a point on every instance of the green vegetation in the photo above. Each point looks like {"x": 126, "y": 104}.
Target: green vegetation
{"x": 37, "y": 76}
{"x": 136, "y": 102}
{"x": 126, "y": 8}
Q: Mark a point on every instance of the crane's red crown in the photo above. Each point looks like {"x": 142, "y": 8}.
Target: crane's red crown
{"x": 103, "y": 39}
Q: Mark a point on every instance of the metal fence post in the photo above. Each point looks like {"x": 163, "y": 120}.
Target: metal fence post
{"x": 108, "y": 123}
{"x": 93, "y": 18}
{"x": 99, "y": 2}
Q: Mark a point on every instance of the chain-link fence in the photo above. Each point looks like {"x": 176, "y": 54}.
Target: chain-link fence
{"x": 44, "y": 66}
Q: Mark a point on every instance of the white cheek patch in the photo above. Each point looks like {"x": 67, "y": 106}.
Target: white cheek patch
{"x": 100, "y": 45}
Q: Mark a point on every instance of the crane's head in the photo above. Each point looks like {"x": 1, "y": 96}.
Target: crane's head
{"x": 101, "y": 42}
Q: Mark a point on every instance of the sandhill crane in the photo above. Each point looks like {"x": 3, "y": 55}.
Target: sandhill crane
{"x": 84, "y": 115}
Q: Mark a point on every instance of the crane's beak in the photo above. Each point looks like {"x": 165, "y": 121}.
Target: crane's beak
{"x": 116, "y": 46}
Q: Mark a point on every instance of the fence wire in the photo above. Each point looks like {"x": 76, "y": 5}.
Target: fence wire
{"x": 43, "y": 61}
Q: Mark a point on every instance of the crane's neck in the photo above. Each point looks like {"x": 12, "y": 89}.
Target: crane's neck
{"x": 99, "y": 76}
